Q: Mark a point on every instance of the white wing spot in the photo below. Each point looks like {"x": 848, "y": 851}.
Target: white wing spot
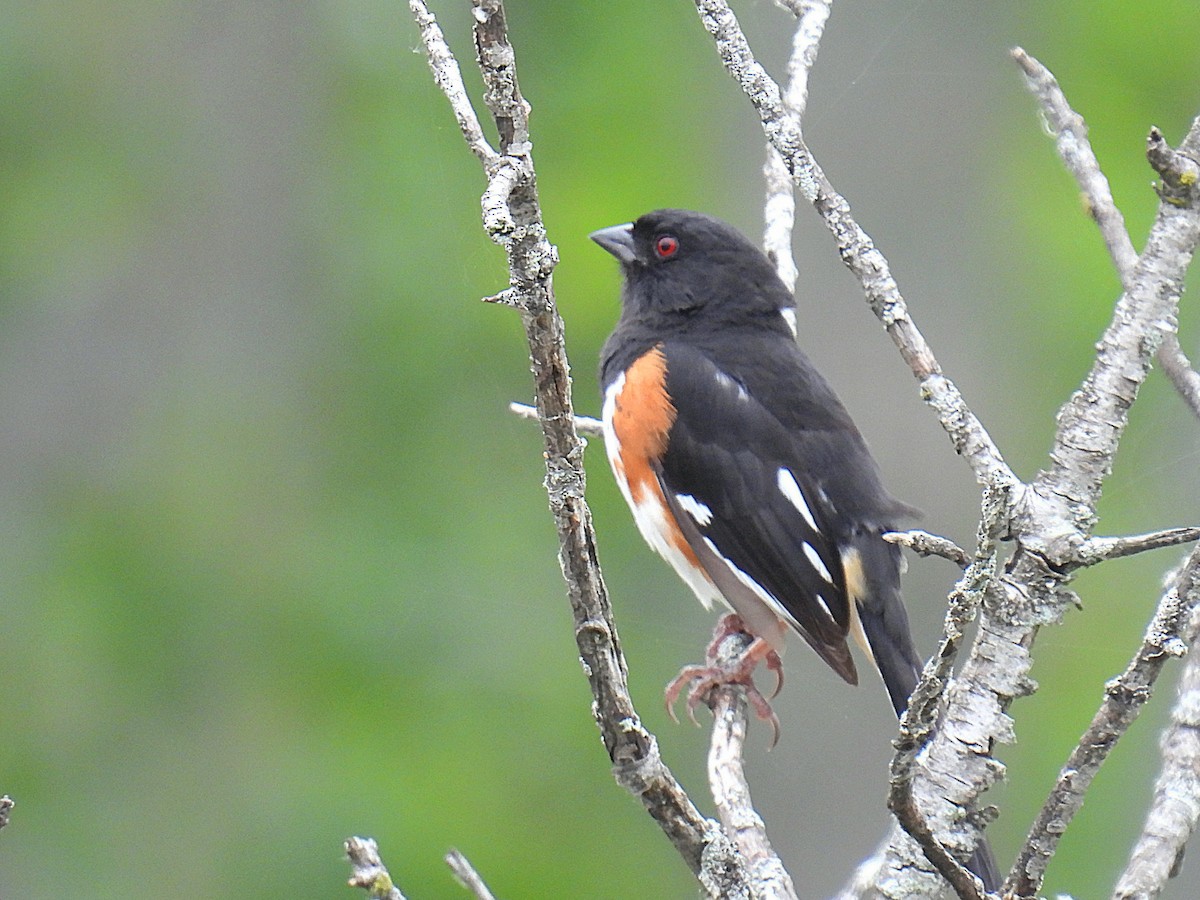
{"x": 694, "y": 508}
{"x": 790, "y": 489}
{"x": 789, "y": 316}
{"x": 730, "y": 383}
{"x": 815, "y": 559}
{"x": 824, "y": 605}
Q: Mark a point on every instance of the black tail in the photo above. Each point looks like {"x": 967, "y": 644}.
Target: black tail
{"x": 885, "y": 627}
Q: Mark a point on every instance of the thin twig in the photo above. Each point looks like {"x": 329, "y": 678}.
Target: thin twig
{"x": 1077, "y": 154}
{"x": 730, "y": 787}
{"x": 1175, "y": 806}
{"x": 925, "y": 544}
{"x": 449, "y": 78}
{"x": 780, "y": 206}
{"x": 857, "y": 250}
{"x": 1124, "y": 698}
{"x": 512, "y": 218}
{"x": 467, "y": 876}
{"x": 583, "y": 424}
{"x": 368, "y": 871}
{"x": 1071, "y": 138}
{"x": 1099, "y": 549}
{"x": 965, "y": 764}
{"x": 1181, "y": 371}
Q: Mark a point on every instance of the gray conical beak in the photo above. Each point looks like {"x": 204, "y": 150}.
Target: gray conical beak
{"x": 617, "y": 240}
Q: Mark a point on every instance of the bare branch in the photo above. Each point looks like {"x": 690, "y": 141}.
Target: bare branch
{"x": 1179, "y": 169}
{"x": 1092, "y": 421}
{"x": 1181, "y": 371}
{"x": 925, "y": 544}
{"x": 368, "y": 871}
{"x": 960, "y": 767}
{"x": 920, "y": 720}
{"x": 859, "y": 253}
{"x": 780, "y": 207}
{"x": 583, "y": 424}
{"x": 731, "y": 789}
{"x": 1123, "y": 701}
{"x": 1175, "y": 806}
{"x": 449, "y": 78}
{"x": 512, "y": 218}
{"x": 467, "y": 876}
{"x": 1098, "y": 549}
{"x": 1076, "y": 152}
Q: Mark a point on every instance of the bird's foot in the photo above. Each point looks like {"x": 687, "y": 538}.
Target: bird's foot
{"x": 719, "y": 670}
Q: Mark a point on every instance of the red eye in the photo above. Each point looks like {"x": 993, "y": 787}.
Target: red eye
{"x": 666, "y": 246}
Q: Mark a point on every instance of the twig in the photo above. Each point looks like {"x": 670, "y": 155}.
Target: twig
{"x": 857, "y": 250}
{"x": 467, "y": 876}
{"x": 1092, "y": 421}
{"x": 1098, "y": 549}
{"x": 1076, "y": 151}
{"x": 780, "y": 206}
{"x": 731, "y": 789}
{"x": 449, "y": 78}
{"x": 512, "y": 218}
{"x": 963, "y": 753}
{"x": 368, "y": 871}
{"x": 920, "y": 719}
{"x": 583, "y": 424}
{"x": 1123, "y": 701}
{"x": 1179, "y": 169}
{"x": 1175, "y": 806}
{"x": 1080, "y": 160}
{"x": 925, "y": 544}
{"x": 1181, "y": 371}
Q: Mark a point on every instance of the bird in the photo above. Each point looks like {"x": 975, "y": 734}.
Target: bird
{"x": 741, "y": 466}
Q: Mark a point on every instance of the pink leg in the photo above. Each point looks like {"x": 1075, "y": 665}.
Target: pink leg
{"x": 701, "y": 680}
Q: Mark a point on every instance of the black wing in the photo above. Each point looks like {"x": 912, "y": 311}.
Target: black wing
{"x": 740, "y": 484}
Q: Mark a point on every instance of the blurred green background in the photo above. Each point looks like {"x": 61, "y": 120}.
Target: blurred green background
{"x": 276, "y": 564}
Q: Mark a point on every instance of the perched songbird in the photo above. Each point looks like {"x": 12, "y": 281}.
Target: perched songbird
{"x": 741, "y": 466}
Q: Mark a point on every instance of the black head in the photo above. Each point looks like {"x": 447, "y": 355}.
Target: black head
{"x": 679, "y": 263}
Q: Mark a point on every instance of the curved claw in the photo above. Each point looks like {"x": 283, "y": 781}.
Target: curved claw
{"x": 675, "y": 687}
{"x": 775, "y": 664}
{"x": 701, "y": 680}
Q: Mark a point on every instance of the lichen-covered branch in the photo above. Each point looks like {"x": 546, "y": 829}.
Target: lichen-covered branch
{"x": 512, "y": 218}
{"x": 857, "y": 250}
{"x": 1077, "y": 155}
{"x": 780, "y": 206}
{"x": 1175, "y": 805}
{"x": 919, "y": 723}
{"x": 367, "y": 870}
{"x": 1051, "y": 519}
{"x": 1124, "y": 696}
{"x": 731, "y": 788}
{"x": 1093, "y": 419}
